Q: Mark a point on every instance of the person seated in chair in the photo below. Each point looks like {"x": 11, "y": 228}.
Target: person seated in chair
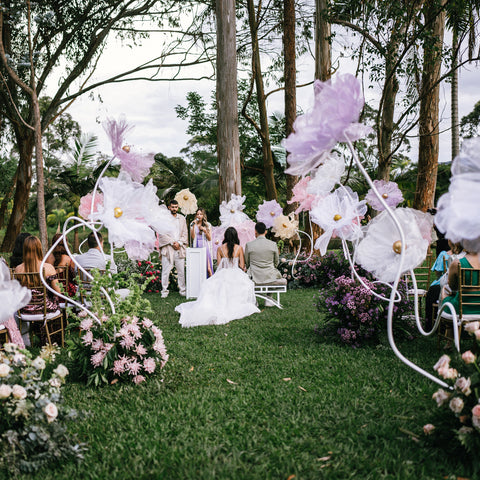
{"x": 94, "y": 258}
{"x": 261, "y": 260}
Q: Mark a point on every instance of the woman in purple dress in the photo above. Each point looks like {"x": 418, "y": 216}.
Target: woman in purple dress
{"x": 201, "y": 235}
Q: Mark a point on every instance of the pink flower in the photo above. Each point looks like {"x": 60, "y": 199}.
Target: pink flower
{"x": 118, "y": 367}
{"x": 428, "y": 428}
{"x": 85, "y": 208}
{"x": 97, "y": 359}
{"x": 134, "y": 367}
{"x": 107, "y": 347}
{"x": 476, "y": 411}
{"x": 149, "y": 365}
{"x": 86, "y": 324}
{"x": 87, "y": 338}
{"x": 141, "y": 350}
{"x": 301, "y": 196}
{"x": 127, "y": 342}
{"x": 134, "y": 330}
{"x": 471, "y": 327}
{"x": 456, "y": 404}
{"x": 477, "y": 334}
{"x": 468, "y": 357}
{"x": 443, "y": 362}
{"x": 390, "y": 193}
{"x": 82, "y": 314}
{"x": 104, "y": 318}
{"x": 268, "y": 212}
{"x": 97, "y": 345}
{"x": 138, "y": 379}
{"x": 463, "y": 384}
{"x": 440, "y": 396}
{"x": 147, "y": 323}
{"x": 447, "y": 373}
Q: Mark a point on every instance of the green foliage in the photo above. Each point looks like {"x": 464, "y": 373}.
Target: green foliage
{"x": 470, "y": 122}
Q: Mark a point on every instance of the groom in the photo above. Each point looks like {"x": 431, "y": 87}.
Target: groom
{"x": 261, "y": 259}
{"x": 172, "y": 249}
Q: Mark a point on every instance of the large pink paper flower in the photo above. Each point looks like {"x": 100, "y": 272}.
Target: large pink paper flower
{"x": 301, "y": 196}
{"x": 337, "y": 106}
{"x": 135, "y": 164}
{"x": 390, "y": 193}
{"x": 337, "y": 214}
{"x": 268, "y": 212}
{"x": 85, "y": 208}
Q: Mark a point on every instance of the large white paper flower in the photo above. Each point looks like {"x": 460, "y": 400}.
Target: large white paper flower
{"x": 285, "y": 227}
{"x": 268, "y": 212}
{"x": 337, "y": 214}
{"x": 129, "y": 209}
{"x": 327, "y": 175}
{"x": 231, "y": 212}
{"x": 379, "y": 251}
{"x": 186, "y": 201}
{"x": 457, "y": 210}
{"x": 12, "y": 295}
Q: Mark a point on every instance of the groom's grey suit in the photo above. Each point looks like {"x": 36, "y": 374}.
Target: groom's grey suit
{"x": 261, "y": 259}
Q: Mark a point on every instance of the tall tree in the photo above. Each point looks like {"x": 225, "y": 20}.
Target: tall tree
{"x": 323, "y": 34}
{"x": 228, "y": 144}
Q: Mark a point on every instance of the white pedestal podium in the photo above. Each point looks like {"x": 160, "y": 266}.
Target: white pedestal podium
{"x": 196, "y": 270}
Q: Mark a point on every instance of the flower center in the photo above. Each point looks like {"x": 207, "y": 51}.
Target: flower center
{"x": 126, "y": 148}
{"x": 385, "y": 195}
{"x": 284, "y": 226}
{"x": 185, "y": 197}
{"x": 217, "y": 242}
{"x": 272, "y": 214}
{"x": 117, "y": 212}
{"x": 397, "y": 247}
{"x": 232, "y": 211}
{"x": 337, "y": 217}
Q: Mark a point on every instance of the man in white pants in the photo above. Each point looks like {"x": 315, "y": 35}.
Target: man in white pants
{"x": 172, "y": 248}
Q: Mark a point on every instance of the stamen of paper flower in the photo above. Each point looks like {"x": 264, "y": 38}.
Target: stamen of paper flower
{"x": 397, "y": 247}
{"x": 117, "y": 212}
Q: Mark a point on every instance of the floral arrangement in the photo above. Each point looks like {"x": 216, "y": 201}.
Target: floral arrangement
{"x": 33, "y": 419}
{"x": 458, "y": 417}
{"x": 306, "y": 271}
{"x": 357, "y": 315}
{"x": 125, "y": 345}
{"x": 186, "y": 201}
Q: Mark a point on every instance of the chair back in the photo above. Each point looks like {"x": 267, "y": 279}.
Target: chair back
{"x": 39, "y": 291}
{"x": 424, "y": 271}
{"x": 62, "y": 273}
{"x": 85, "y": 284}
{"x": 469, "y": 290}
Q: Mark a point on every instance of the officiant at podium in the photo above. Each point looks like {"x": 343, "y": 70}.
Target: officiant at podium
{"x": 201, "y": 235}
{"x": 172, "y": 249}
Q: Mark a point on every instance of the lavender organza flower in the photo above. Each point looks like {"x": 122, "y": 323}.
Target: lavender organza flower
{"x": 457, "y": 210}
{"x": 268, "y": 212}
{"x": 301, "y": 196}
{"x": 390, "y": 193}
{"x": 135, "y": 164}
{"x": 337, "y": 106}
{"x": 337, "y": 214}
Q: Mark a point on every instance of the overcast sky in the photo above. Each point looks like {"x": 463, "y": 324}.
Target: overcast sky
{"x": 150, "y": 106}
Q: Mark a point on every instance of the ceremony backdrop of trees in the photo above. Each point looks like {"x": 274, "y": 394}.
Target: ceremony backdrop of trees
{"x": 403, "y": 50}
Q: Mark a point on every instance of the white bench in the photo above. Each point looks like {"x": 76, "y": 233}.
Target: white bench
{"x": 263, "y": 290}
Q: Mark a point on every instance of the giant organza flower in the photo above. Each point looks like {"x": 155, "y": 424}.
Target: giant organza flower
{"x": 337, "y": 214}
{"x": 327, "y": 175}
{"x": 85, "y": 208}
{"x": 379, "y": 251}
{"x": 12, "y": 295}
{"x": 268, "y": 212}
{"x": 186, "y": 201}
{"x": 129, "y": 210}
{"x": 390, "y": 193}
{"x": 231, "y": 212}
{"x": 135, "y": 164}
{"x": 301, "y": 196}
{"x": 285, "y": 226}
{"x": 337, "y": 106}
{"x": 457, "y": 210}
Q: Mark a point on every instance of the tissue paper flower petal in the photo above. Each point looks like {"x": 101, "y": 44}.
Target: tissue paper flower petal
{"x": 390, "y": 193}
{"x": 186, "y": 201}
{"x": 268, "y": 212}
{"x": 327, "y": 175}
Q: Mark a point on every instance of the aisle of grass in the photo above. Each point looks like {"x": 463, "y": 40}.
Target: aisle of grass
{"x": 261, "y": 398}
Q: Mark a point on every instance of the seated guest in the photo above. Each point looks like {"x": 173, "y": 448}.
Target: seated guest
{"x": 450, "y": 291}
{"x": 59, "y": 258}
{"x": 94, "y": 258}
{"x": 17, "y": 253}
{"x": 32, "y": 259}
{"x": 261, "y": 259}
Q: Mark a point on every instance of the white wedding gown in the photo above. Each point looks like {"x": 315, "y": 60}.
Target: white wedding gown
{"x": 227, "y": 295}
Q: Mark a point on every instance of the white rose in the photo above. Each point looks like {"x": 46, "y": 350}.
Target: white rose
{"x": 55, "y": 382}
{"x": 39, "y": 363}
{"x": 4, "y": 369}
{"x": 61, "y": 371}
{"x": 440, "y": 396}
{"x": 5, "y": 391}
{"x": 463, "y": 384}
{"x": 51, "y": 412}
{"x": 19, "y": 392}
{"x": 456, "y": 404}
{"x": 443, "y": 362}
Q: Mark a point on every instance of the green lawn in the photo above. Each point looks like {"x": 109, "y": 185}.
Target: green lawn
{"x": 261, "y": 398}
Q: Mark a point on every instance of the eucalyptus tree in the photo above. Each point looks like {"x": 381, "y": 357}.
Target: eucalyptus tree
{"x": 40, "y": 40}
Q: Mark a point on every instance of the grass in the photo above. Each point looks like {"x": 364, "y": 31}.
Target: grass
{"x": 261, "y": 398}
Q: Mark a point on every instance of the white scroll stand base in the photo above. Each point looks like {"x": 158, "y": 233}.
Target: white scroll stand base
{"x": 196, "y": 270}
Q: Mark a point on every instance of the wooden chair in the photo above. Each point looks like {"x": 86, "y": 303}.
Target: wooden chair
{"x": 4, "y": 338}
{"x": 451, "y": 321}
{"x": 422, "y": 277}
{"x": 50, "y": 323}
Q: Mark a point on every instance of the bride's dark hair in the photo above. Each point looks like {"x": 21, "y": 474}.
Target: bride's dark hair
{"x": 231, "y": 239}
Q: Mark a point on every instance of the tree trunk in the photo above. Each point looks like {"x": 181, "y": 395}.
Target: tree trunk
{"x": 6, "y": 200}
{"x": 25, "y": 142}
{"x": 228, "y": 143}
{"x": 429, "y": 109}
{"x": 454, "y": 97}
{"x": 270, "y": 188}
{"x": 323, "y": 32}
{"x": 290, "y": 86}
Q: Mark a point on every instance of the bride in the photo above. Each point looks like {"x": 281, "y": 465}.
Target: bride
{"x": 225, "y": 296}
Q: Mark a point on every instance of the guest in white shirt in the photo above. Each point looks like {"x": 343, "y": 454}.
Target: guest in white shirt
{"x": 173, "y": 250}
{"x": 95, "y": 258}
